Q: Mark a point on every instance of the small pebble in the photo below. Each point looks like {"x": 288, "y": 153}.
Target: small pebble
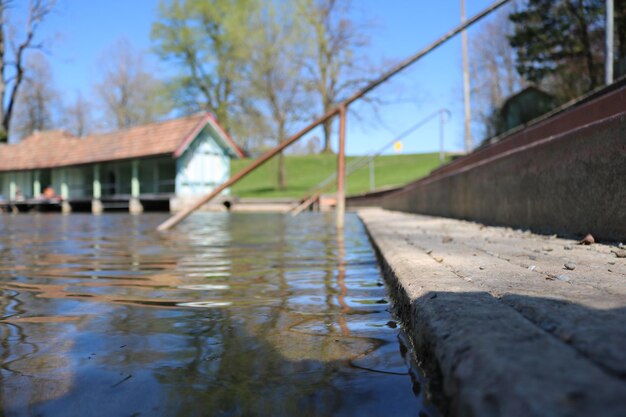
{"x": 563, "y": 278}
{"x": 570, "y": 266}
{"x": 567, "y": 247}
{"x": 532, "y": 268}
{"x": 438, "y": 259}
{"x": 547, "y": 249}
{"x": 481, "y": 267}
{"x": 620, "y": 253}
{"x": 587, "y": 240}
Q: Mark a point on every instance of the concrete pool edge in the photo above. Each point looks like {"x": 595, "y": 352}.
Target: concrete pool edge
{"x": 484, "y": 357}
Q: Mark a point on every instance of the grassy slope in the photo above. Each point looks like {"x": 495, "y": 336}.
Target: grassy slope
{"x": 304, "y": 172}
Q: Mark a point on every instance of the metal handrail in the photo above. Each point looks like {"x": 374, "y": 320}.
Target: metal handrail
{"x": 357, "y": 164}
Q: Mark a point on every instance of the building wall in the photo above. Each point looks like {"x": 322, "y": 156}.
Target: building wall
{"x": 4, "y": 185}
{"x": 79, "y": 181}
{"x": 157, "y": 176}
{"x": 202, "y": 167}
{"x": 23, "y": 181}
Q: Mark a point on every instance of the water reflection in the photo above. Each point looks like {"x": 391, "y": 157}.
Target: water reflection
{"x": 231, "y": 314}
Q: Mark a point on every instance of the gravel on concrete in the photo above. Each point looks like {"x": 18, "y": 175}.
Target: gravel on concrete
{"x": 502, "y": 326}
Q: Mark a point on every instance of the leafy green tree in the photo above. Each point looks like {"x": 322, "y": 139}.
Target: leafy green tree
{"x": 559, "y": 43}
{"x": 210, "y": 42}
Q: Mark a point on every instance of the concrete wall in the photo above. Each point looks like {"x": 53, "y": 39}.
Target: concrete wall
{"x": 571, "y": 183}
{"x": 203, "y": 166}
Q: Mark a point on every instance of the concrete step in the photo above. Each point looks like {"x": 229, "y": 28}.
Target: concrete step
{"x": 507, "y": 322}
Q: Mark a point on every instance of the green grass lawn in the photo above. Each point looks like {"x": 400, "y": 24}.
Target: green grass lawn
{"x": 305, "y": 172}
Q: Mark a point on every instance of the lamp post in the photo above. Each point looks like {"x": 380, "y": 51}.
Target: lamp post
{"x": 466, "y": 84}
{"x": 608, "y": 56}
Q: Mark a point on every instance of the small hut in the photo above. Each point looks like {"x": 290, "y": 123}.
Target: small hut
{"x": 523, "y": 107}
{"x": 172, "y": 162}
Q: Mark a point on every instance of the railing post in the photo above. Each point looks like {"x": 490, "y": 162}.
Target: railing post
{"x": 372, "y": 175}
{"x": 341, "y": 168}
{"x": 442, "y": 155}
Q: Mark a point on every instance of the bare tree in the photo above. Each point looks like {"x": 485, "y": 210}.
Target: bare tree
{"x": 274, "y": 74}
{"x": 128, "y": 93}
{"x": 13, "y": 50}
{"x": 78, "y": 117}
{"x": 493, "y": 71}
{"x": 335, "y": 64}
{"x": 37, "y": 99}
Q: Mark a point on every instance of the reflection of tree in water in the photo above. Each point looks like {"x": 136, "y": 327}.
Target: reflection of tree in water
{"x": 252, "y": 362}
{"x": 281, "y": 348}
{"x": 34, "y": 362}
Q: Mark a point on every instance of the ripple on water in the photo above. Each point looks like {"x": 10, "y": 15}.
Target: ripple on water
{"x": 229, "y": 314}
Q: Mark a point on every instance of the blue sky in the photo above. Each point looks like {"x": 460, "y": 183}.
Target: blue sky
{"x": 80, "y": 30}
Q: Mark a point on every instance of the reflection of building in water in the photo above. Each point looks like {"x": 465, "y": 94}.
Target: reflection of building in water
{"x": 172, "y": 162}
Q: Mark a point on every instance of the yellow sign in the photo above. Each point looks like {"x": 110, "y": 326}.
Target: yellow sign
{"x": 397, "y": 146}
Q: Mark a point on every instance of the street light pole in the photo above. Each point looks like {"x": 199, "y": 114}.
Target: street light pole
{"x": 466, "y": 84}
{"x": 442, "y": 156}
{"x": 608, "y": 56}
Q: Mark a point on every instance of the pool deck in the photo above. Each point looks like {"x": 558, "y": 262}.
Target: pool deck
{"x": 508, "y": 323}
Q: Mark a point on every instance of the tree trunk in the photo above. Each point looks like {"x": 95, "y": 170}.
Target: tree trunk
{"x": 282, "y": 173}
{"x": 328, "y": 130}
{"x": 4, "y": 135}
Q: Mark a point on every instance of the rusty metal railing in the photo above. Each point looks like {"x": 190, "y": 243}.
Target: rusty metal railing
{"x": 339, "y": 109}
{"x": 315, "y": 193}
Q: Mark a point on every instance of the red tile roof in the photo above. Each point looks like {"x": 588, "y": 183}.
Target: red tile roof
{"x": 51, "y": 149}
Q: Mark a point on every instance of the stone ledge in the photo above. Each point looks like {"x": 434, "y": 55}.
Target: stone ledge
{"x": 473, "y": 331}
